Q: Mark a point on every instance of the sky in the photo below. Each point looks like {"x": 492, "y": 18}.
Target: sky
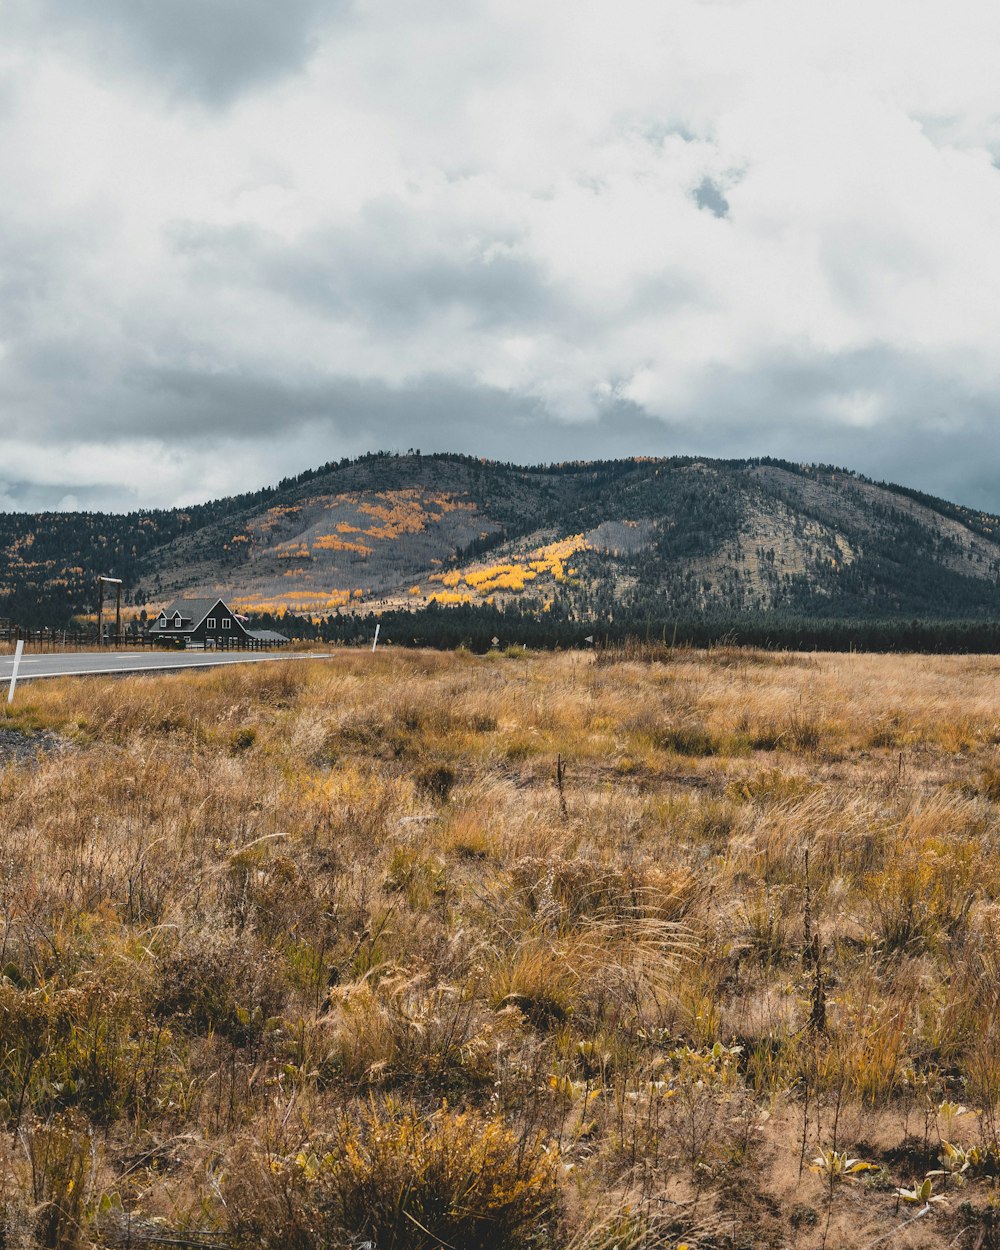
{"x": 241, "y": 238}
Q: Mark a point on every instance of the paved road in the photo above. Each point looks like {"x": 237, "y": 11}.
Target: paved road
{"x": 89, "y": 663}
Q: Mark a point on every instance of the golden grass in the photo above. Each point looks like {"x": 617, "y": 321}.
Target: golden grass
{"x": 311, "y": 954}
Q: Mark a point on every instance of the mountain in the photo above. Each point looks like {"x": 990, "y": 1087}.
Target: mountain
{"x": 642, "y": 538}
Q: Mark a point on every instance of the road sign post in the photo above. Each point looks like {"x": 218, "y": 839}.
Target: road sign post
{"x": 18, "y": 652}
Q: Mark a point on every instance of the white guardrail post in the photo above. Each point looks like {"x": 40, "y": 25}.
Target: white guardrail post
{"x": 13, "y": 672}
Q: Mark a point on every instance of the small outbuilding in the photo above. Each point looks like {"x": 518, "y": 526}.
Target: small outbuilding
{"x": 210, "y": 622}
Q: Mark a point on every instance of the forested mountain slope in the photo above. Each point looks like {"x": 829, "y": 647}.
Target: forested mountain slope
{"x": 654, "y": 538}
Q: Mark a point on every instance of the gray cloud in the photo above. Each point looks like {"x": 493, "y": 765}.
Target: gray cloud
{"x": 250, "y": 406}
{"x": 20, "y": 496}
{"x": 213, "y": 50}
{"x": 390, "y": 268}
{"x": 206, "y": 417}
{"x": 491, "y": 229}
{"x": 36, "y": 259}
{"x": 930, "y": 431}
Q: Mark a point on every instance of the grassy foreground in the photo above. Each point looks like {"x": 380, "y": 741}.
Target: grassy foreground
{"x": 429, "y": 950}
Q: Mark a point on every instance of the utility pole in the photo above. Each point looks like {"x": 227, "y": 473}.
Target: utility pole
{"x": 117, "y": 583}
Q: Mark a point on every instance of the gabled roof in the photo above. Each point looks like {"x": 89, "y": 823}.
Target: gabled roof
{"x": 193, "y": 611}
{"x": 267, "y": 635}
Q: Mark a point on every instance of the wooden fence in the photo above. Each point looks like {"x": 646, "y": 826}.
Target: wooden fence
{"x": 50, "y": 639}
{"x": 86, "y": 640}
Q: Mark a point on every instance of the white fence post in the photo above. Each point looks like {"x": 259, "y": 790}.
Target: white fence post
{"x": 375, "y": 640}
{"x": 13, "y": 672}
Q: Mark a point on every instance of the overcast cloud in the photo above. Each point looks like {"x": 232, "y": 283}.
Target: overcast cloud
{"x": 239, "y": 238}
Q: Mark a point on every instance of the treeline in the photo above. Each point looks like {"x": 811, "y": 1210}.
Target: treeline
{"x": 476, "y": 627}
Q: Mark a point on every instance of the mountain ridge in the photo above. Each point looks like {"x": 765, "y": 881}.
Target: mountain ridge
{"x": 586, "y": 539}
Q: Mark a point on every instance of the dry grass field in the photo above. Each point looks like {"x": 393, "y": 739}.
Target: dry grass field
{"x": 424, "y": 950}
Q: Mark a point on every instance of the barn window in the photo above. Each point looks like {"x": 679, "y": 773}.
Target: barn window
{"x": 210, "y": 622}
{"x": 226, "y": 622}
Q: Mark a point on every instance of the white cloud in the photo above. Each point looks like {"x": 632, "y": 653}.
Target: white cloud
{"x": 216, "y": 242}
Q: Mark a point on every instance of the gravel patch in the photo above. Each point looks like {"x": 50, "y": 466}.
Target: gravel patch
{"x": 18, "y": 748}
